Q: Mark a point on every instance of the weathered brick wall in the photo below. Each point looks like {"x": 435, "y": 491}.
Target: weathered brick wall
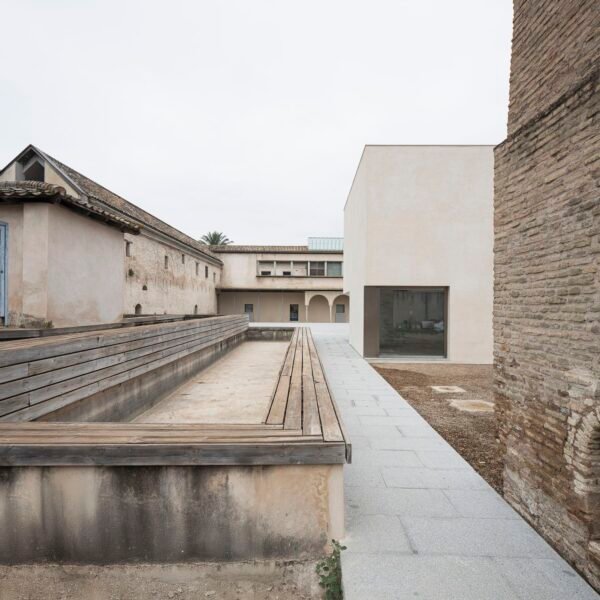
{"x": 555, "y": 46}
{"x": 547, "y": 283}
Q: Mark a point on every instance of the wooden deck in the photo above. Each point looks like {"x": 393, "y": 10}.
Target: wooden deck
{"x": 302, "y": 426}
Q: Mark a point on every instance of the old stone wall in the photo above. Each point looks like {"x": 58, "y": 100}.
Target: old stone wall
{"x": 547, "y": 278}
{"x": 555, "y": 46}
{"x": 163, "y": 279}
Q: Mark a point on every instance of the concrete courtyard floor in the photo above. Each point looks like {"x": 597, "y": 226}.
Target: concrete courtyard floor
{"x": 420, "y": 522}
{"x": 237, "y": 388}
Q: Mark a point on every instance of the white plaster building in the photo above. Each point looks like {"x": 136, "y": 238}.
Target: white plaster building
{"x": 284, "y": 283}
{"x": 418, "y": 248}
{"x": 74, "y": 253}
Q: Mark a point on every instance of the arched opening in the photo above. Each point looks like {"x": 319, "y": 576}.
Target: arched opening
{"x": 318, "y": 310}
{"x": 341, "y": 309}
{"x": 138, "y": 309}
{"x": 195, "y": 309}
{"x": 593, "y": 499}
{"x": 582, "y": 450}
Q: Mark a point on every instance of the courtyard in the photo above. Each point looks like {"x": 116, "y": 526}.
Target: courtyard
{"x": 420, "y": 521}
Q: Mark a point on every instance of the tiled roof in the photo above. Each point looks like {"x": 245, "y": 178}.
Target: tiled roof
{"x": 102, "y": 197}
{"x": 39, "y": 190}
{"x": 268, "y": 249}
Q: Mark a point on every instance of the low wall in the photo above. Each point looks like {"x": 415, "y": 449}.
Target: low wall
{"x": 113, "y": 492}
{"x": 270, "y": 333}
{"x": 107, "y": 515}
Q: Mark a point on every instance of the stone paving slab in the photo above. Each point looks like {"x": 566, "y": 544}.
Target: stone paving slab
{"x": 421, "y": 523}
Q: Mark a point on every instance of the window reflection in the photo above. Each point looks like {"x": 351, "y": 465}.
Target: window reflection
{"x": 411, "y": 322}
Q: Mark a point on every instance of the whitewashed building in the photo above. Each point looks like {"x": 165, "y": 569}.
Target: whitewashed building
{"x": 418, "y": 233}
{"x": 74, "y": 253}
{"x": 284, "y": 283}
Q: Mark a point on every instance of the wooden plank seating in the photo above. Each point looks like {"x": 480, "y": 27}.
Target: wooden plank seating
{"x": 302, "y": 425}
{"x": 41, "y": 375}
{"x": 302, "y": 397}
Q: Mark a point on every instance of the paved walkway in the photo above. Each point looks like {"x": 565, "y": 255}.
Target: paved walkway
{"x": 421, "y": 523}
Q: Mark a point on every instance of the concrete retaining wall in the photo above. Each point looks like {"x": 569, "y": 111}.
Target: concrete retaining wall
{"x": 269, "y": 333}
{"x": 107, "y": 515}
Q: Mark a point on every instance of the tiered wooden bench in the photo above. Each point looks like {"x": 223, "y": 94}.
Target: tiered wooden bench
{"x": 302, "y": 425}
{"x": 40, "y": 376}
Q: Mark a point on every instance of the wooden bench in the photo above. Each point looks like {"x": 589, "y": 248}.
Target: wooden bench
{"x": 40, "y": 376}
{"x": 302, "y": 399}
{"x": 302, "y": 425}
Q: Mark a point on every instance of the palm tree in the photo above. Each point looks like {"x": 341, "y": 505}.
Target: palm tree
{"x": 215, "y": 238}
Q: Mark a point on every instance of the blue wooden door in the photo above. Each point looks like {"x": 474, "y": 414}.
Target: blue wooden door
{"x": 3, "y": 232}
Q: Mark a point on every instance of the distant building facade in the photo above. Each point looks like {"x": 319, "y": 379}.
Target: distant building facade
{"x": 284, "y": 283}
{"x": 547, "y": 277}
{"x": 74, "y": 253}
{"x": 418, "y": 248}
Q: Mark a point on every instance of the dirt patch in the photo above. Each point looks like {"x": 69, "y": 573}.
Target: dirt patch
{"x": 472, "y": 434}
{"x": 198, "y": 581}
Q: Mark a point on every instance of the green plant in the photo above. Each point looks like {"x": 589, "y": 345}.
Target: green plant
{"x": 329, "y": 571}
{"x": 215, "y": 238}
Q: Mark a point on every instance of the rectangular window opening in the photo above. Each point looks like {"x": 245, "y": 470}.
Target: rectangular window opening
{"x": 317, "y": 268}
{"x": 412, "y": 321}
{"x": 294, "y": 312}
{"x": 334, "y": 269}
{"x": 249, "y": 310}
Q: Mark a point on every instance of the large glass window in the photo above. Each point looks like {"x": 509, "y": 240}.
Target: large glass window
{"x": 412, "y": 321}
{"x": 334, "y": 269}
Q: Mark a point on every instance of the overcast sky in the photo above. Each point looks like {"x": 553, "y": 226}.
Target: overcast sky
{"x": 247, "y": 116}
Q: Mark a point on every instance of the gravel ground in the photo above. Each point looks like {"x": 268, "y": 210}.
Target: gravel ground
{"x": 472, "y": 434}
{"x": 195, "y": 581}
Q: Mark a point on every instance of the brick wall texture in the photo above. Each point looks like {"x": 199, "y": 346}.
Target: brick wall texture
{"x": 547, "y": 277}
